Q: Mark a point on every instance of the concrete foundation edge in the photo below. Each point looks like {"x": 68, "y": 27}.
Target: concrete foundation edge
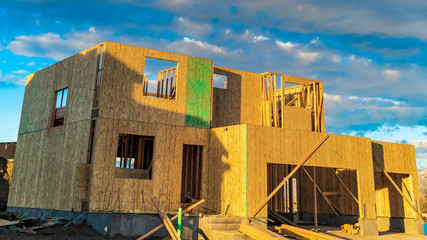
{"x": 130, "y": 225}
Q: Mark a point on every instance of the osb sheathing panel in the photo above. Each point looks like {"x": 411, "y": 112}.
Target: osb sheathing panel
{"x": 328, "y": 182}
{"x": 121, "y": 91}
{"x": 389, "y": 202}
{"x": 285, "y": 146}
{"x": 297, "y": 118}
{"x": 46, "y": 159}
{"x": 108, "y": 193}
{"x": 226, "y": 186}
{"x": 394, "y": 157}
{"x": 398, "y": 160}
{"x": 240, "y": 103}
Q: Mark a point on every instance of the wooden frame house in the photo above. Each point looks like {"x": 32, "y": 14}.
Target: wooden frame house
{"x": 99, "y": 132}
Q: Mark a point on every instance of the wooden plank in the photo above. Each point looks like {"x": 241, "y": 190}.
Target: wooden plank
{"x": 400, "y": 192}
{"x": 173, "y": 218}
{"x": 345, "y": 186}
{"x": 281, "y": 218}
{"x": 315, "y": 187}
{"x": 306, "y": 234}
{"x": 328, "y": 201}
{"x": 254, "y": 213}
{"x": 166, "y": 221}
{"x": 259, "y": 233}
{"x": 292, "y": 101}
{"x": 282, "y": 101}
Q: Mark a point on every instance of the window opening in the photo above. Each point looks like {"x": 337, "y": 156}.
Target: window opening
{"x": 220, "y": 81}
{"x": 60, "y": 107}
{"x": 135, "y": 152}
{"x": 191, "y": 173}
{"x": 159, "y": 79}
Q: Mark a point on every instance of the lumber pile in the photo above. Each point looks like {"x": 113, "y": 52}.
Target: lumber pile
{"x": 258, "y": 232}
{"x": 300, "y": 233}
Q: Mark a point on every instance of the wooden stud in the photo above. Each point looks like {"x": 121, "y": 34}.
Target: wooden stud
{"x": 400, "y": 192}
{"x": 184, "y": 211}
{"x": 345, "y": 186}
{"x": 328, "y": 201}
{"x": 166, "y": 221}
{"x": 256, "y": 211}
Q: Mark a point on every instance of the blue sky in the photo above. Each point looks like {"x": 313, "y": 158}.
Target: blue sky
{"x": 371, "y": 55}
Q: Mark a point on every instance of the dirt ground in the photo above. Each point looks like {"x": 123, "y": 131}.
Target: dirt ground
{"x": 56, "y": 231}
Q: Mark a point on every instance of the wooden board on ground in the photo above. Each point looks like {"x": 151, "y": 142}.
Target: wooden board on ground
{"x": 258, "y": 232}
{"x": 301, "y": 233}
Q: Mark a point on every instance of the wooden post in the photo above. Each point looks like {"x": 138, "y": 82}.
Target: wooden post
{"x": 315, "y": 197}
{"x": 401, "y": 193}
{"x": 261, "y": 206}
{"x": 166, "y": 220}
{"x": 173, "y": 218}
{"x": 282, "y": 100}
{"x": 328, "y": 201}
{"x": 345, "y": 186}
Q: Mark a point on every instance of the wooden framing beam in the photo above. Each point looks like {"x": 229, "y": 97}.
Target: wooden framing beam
{"x": 292, "y": 101}
{"x": 261, "y": 206}
{"x": 398, "y": 189}
{"x": 173, "y": 218}
{"x": 316, "y": 226}
{"x": 305, "y": 234}
{"x": 280, "y": 217}
{"x": 166, "y": 221}
{"x": 256, "y": 231}
{"x": 345, "y": 186}
{"x": 328, "y": 201}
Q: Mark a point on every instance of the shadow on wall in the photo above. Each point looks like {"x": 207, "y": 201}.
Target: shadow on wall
{"x": 125, "y": 109}
{"x": 389, "y": 203}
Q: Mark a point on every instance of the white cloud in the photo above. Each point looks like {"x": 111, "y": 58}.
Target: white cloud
{"x": 391, "y": 74}
{"x": 10, "y": 78}
{"x": 336, "y": 59}
{"x": 52, "y": 45}
{"x": 315, "y": 41}
{"x": 20, "y": 72}
{"x": 286, "y": 46}
{"x": 356, "y": 59}
{"x": 92, "y": 29}
{"x": 4, "y": 61}
{"x": 227, "y": 31}
{"x": 368, "y": 111}
{"x": 31, "y": 64}
{"x": 306, "y": 57}
{"x": 187, "y": 27}
{"x": 204, "y": 45}
{"x": 259, "y": 38}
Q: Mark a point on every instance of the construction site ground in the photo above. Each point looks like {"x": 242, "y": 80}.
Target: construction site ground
{"x": 335, "y": 231}
{"x": 55, "y": 231}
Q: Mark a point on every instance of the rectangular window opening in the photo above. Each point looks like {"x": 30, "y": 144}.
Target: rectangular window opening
{"x": 191, "y": 173}
{"x": 160, "y": 78}
{"x": 136, "y": 153}
{"x": 295, "y": 95}
{"x": 60, "y": 107}
{"x": 220, "y": 81}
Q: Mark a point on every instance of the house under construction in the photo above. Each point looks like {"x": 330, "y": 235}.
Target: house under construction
{"x": 108, "y": 129}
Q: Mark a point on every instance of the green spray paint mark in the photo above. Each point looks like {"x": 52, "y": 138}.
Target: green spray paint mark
{"x": 199, "y": 92}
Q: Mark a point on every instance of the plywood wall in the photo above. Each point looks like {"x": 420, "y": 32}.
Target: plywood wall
{"x": 285, "y": 146}
{"x": 226, "y": 182}
{"x": 399, "y": 160}
{"x": 241, "y": 102}
{"x": 46, "y": 158}
{"x": 114, "y": 194}
{"x": 122, "y": 96}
